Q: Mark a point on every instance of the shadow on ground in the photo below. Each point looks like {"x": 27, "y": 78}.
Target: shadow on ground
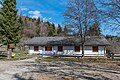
{"x": 76, "y": 71}
{"x": 18, "y": 77}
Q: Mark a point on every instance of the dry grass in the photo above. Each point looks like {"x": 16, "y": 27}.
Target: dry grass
{"x": 52, "y": 77}
{"x": 104, "y": 62}
{"x": 85, "y": 59}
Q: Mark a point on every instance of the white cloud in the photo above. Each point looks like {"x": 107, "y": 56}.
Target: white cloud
{"x": 24, "y": 9}
{"x": 56, "y": 24}
{"x": 50, "y": 18}
{"x": 35, "y": 14}
{"x": 46, "y": 19}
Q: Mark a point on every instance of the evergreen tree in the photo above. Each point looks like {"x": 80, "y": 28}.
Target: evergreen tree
{"x": 25, "y": 21}
{"x": 65, "y": 31}
{"x": 20, "y": 20}
{"x": 94, "y": 30}
{"x": 59, "y": 30}
{"x": 48, "y": 23}
{"x": 53, "y": 27}
{"x": 52, "y": 30}
{"x": 10, "y": 27}
{"x": 38, "y": 21}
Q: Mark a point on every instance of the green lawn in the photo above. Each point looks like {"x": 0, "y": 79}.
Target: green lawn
{"x": 19, "y": 55}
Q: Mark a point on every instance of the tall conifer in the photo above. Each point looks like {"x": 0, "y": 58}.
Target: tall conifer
{"x": 10, "y": 26}
{"x": 59, "y": 30}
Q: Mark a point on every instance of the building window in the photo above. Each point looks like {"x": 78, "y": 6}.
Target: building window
{"x": 60, "y": 48}
{"x": 48, "y": 48}
{"x": 36, "y": 48}
{"x": 77, "y": 48}
{"x": 95, "y": 48}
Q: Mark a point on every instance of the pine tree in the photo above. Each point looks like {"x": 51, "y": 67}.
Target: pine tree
{"x": 20, "y": 18}
{"x": 10, "y": 27}
{"x": 52, "y": 30}
{"x": 66, "y": 30}
{"x": 25, "y": 21}
{"x": 53, "y": 27}
{"x": 38, "y": 21}
{"x": 48, "y": 23}
{"x": 94, "y": 30}
{"x": 59, "y": 30}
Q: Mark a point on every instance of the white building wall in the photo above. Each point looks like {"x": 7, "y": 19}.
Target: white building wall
{"x": 31, "y": 50}
{"x": 89, "y": 52}
{"x": 69, "y": 50}
{"x": 101, "y": 50}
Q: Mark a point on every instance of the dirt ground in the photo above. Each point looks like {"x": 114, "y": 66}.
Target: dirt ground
{"x": 57, "y": 70}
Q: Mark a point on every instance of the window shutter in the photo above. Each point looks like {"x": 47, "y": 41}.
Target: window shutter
{"x": 36, "y": 48}
{"x": 48, "y": 48}
{"x": 95, "y": 48}
{"x": 60, "y": 48}
{"x": 77, "y": 48}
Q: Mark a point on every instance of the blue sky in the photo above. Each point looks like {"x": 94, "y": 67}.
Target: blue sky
{"x": 51, "y": 10}
{"x": 48, "y": 10}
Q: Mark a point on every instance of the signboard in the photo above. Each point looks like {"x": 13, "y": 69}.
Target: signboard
{"x": 11, "y": 46}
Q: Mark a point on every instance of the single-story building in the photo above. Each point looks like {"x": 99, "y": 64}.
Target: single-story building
{"x": 94, "y": 46}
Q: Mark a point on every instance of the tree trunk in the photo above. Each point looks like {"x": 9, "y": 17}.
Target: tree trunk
{"x": 12, "y": 49}
{"x": 82, "y": 49}
{"x": 8, "y": 52}
{"x": 82, "y": 41}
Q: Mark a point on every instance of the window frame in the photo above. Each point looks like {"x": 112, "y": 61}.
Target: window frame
{"x": 60, "y": 48}
{"x": 36, "y": 48}
{"x": 48, "y": 48}
{"x": 94, "y": 48}
{"x": 77, "y": 48}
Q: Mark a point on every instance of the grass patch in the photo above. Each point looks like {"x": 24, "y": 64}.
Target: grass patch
{"x": 49, "y": 59}
{"x": 84, "y": 60}
{"x": 19, "y": 58}
{"x": 19, "y": 55}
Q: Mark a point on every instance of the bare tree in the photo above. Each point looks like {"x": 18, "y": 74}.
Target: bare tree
{"x": 79, "y": 16}
{"x": 44, "y": 29}
{"x": 110, "y": 10}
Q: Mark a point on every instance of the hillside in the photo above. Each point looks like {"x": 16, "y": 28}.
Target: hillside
{"x": 36, "y": 27}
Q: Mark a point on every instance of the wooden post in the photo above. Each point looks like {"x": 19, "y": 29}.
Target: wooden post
{"x": 10, "y": 46}
{"x": 8, "y": 52}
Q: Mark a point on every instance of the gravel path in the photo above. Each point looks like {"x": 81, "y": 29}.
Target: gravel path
{"x": 11, "y": 70}
{"x": 56, "y": 70}
{"x": 79, "y": 71}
